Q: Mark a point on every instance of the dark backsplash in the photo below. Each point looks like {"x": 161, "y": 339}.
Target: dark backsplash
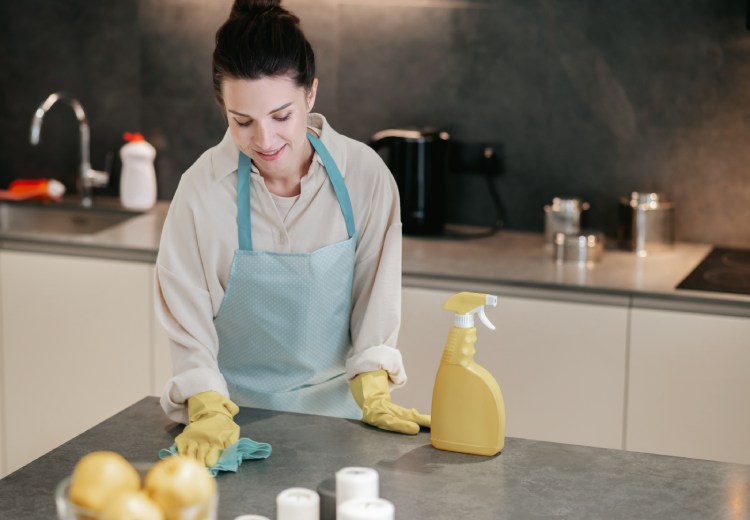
{"x": 589, "y": 98}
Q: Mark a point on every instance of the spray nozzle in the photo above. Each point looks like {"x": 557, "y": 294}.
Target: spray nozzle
{"x": 466, "y": 304}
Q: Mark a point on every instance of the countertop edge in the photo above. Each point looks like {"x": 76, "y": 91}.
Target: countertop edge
{"x": 82, "y": 250}
{"x": 584, "y": 295}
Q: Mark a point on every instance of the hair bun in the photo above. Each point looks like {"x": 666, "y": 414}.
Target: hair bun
{"x": 253, "y": 7}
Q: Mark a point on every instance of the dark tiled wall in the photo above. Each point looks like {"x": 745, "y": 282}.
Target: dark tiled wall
{"x": 87, "y": 49}
{"x": 589, "y": 98}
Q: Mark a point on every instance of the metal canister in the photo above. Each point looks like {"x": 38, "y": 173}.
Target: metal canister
{"x": 582, "y": 249}
{"x": 563, "y": 216}
{"x": 646, "y": 223}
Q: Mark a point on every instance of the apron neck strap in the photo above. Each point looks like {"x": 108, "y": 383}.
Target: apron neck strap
{"x": 337, "y": 181}
{"x": 244, "y": 228}
{"x": 243, "y": 203}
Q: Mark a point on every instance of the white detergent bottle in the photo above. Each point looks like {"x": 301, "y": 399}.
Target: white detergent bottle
{"x": 138, "y": 177}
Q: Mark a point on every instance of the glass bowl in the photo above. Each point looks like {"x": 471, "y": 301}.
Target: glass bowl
{"x": 67, "y": 510}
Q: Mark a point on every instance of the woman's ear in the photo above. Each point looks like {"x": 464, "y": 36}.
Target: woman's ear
{"x": 311, "y": 95}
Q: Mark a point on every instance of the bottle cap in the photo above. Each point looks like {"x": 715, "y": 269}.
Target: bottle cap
{"x": 133, "y": 137}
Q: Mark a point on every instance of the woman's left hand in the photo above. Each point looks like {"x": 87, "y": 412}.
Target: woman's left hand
{"x": 372, "y": 394}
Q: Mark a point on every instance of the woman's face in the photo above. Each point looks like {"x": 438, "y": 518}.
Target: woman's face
{"x": 268, "y": 121}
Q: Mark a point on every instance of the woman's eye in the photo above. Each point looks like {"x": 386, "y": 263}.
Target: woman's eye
{"x": 242, "y": 123}
{"x": 285, "y": 118}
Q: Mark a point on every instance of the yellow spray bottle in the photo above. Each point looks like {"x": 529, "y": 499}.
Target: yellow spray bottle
{"x": 468, "y": 413}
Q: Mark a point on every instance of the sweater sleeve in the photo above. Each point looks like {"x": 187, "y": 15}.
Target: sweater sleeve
{"x": 376, "y": 298}
{"x": 184, "y": 308}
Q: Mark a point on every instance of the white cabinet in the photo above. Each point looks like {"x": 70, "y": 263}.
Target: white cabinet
{"x": 560, "y": 365}
{"x": 689, "y": 391}
{"x": 76, "y": 338}
{"x": 424, "y": 328}
{"x": 2, "y": 389}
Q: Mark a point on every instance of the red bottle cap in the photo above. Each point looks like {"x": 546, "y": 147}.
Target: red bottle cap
{"x": 132, "y": 137}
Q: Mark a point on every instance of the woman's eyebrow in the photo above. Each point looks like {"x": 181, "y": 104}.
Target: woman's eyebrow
{"x": 237, "y": 113}
{"x": 282, "y": 107}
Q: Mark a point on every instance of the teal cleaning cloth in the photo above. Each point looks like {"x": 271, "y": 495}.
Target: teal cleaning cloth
{"x": 232, "y": 456}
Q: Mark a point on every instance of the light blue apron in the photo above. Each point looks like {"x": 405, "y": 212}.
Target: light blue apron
{"x": 283, "y": 325}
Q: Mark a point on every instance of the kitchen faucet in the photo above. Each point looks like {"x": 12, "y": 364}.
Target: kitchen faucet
{"x": 88, "y": 177}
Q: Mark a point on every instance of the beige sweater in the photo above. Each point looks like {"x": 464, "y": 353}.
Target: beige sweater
{"x": 200, "y": 238}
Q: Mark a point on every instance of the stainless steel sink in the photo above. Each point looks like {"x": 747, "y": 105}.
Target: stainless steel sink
{"x": 50, "y": 219}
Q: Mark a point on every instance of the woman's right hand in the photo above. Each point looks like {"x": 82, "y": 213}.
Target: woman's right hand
{"x": 211, "y": 428}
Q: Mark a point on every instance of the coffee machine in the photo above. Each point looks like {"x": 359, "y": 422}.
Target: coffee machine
{"x": 418, "y": 160}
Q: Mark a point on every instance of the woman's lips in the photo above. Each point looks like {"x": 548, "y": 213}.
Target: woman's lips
{"x": 271, "y": 155}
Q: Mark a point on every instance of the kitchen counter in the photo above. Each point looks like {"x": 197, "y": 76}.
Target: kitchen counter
{"x": 519, "y": 263}
{"x": 136, "y": 239}
{"x": 509, "y": 262}
{"x": 528, "y": 480}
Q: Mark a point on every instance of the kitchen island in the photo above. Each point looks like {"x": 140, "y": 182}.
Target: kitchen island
{"x": 528, "y": 480}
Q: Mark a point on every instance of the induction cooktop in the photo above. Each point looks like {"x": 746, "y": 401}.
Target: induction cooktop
{"x": 723, "y": 270}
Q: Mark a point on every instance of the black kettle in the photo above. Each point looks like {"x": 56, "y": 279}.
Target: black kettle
{"x": 418, "y": 160}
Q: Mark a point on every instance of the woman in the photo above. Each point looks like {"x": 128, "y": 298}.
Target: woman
{"x": 279, "y": 270}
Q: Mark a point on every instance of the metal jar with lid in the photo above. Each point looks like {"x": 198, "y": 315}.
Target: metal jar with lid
{"x": 563, "y": 216}
{"x": 646, "y": 223}
{"x": 584, "y": 249}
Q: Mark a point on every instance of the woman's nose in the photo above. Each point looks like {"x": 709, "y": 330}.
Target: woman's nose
{"x": 263, "y": 137}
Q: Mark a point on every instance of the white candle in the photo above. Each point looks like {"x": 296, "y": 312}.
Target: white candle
{"x": 356, "y": 482}
{"x": 366, "y": 509}
{"x": 298, "y": 504}
{"x": 251, "y": 517}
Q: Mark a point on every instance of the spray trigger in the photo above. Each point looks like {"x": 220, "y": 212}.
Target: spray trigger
{"x": 466, "y": 304}
{"x": 484, "y": 319}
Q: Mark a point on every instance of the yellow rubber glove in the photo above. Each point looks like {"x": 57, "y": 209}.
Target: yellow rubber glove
{"x": 211, "y": 427}
{"x": 370, "y": 390}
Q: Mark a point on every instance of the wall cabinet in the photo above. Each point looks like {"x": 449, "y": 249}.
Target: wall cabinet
{"x": 560, "y": 365}
{"x": 77, "y": 346}
{"x": 689, "y": 393}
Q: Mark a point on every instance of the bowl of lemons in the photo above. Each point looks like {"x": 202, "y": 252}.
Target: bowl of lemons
{"x": 105, "y": 486}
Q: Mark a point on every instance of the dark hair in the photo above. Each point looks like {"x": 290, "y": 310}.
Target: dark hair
{"x": 260, "y": 38}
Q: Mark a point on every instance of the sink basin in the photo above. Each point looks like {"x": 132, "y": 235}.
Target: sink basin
{"x": 51, "y": 219}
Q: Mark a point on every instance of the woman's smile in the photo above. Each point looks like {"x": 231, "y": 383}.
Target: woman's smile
{"x": 271, "y": 155}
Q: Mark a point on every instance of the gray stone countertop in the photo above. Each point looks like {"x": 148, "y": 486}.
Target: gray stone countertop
{"x": 517, "y": 261}
{"x": 136, "y": 239}
{"x": 521, "y": 260}
{"x": 528, "y": 480}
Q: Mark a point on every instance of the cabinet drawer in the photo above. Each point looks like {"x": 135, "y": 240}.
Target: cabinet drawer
{"x": 689, "y": 392}
{"x": 560, "y": 365}
{"x": 76, "y": 346}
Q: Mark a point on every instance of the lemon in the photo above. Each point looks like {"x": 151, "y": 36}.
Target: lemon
{"x": 179, "y": 482}
{"x": 132, "y": 505}
{"x": 98, "y": 477}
